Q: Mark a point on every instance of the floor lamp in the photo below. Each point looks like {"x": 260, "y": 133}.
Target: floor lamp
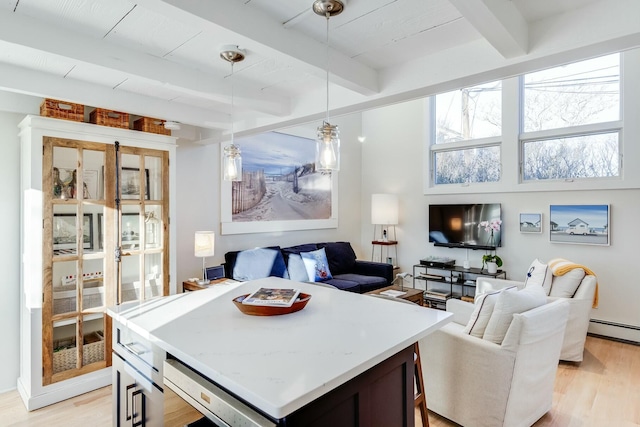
{"x": 204, "y": 247}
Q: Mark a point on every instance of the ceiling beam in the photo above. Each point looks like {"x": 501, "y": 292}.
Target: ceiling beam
{"x": 499, "y": 22}
{"x": 270, "y": 38}
{"x": 44, "y": 85}
{"x": 27, "y": 32}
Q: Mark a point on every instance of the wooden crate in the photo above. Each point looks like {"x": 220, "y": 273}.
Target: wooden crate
{"x": 62, "y": 110}
{"x": 148, "y": 124}
{"x": 104, "y": 117}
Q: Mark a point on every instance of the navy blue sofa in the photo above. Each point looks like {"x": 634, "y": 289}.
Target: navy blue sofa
{"x": 348, "y": 273}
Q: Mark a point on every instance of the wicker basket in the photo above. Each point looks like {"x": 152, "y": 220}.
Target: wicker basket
{"x": 148, "y": 124}
{"x": 62, "y": 110}
{"x": 93, "y": 351}
{"x": 103, "y": 117}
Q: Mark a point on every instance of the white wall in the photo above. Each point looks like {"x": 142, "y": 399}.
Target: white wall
{"x": 198, "y": 202}
{"x": 10, "y": 256}
{"x": 392, "y": 161}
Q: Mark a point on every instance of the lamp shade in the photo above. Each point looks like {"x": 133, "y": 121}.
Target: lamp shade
{"x": 204, "y": 243}
{"x": 384, "y": 209}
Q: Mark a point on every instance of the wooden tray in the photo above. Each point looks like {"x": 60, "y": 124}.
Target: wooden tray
{"x": 266, "y": 310}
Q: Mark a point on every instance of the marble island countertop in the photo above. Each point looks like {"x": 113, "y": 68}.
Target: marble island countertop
{"x": 279, "y": 363}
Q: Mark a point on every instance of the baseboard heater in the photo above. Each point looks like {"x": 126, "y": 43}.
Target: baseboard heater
{"x": 619, "y": 325}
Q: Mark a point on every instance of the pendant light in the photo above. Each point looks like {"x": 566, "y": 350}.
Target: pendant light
{"x": 328, "y": 141}
{"x": 232, "y": 160}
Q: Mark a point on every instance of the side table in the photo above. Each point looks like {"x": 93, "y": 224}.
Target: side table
{"x": 193, "y": 286}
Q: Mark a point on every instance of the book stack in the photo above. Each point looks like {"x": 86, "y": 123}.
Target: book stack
{"x": 437, "y": 294}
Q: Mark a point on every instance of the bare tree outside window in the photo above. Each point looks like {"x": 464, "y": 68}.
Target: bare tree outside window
{"x": 583, "y": 93}
{"x": 465, "y": 115}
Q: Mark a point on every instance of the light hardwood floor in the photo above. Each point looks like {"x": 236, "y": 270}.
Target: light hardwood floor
{"x": 603, "y": 390}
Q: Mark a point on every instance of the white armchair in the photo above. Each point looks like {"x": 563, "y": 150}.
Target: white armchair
{"x": 476, "y": 382}
{"x": 579, "y": 312}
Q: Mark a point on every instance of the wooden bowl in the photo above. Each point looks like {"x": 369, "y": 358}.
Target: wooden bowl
{"x": 268, "y": 310}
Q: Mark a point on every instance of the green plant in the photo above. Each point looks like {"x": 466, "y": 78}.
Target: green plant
{"x": 491, "y": 258}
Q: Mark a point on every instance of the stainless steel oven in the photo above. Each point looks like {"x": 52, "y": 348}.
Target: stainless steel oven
{"x": 191, "y": 398}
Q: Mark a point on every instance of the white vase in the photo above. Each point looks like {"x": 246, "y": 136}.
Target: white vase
{"x": 492, "y": 267}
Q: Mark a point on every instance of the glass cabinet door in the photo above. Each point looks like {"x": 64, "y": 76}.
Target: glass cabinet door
{"x": 143, "y": 224}
{"x": 74, "y": 263}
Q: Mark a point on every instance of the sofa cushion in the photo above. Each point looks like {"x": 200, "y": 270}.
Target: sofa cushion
{"x": 509, "y": 303}
{"x": 367, "y": 283}
{"x": 341, "y": 257}
{"x": 344, "y": 284}
{"x": 539, "y": 274}
{"x": 565, "y": 286}
{"x": 258, "y": 263}
{"x": 296, "y": 268}
{"x": 317, "y": 265}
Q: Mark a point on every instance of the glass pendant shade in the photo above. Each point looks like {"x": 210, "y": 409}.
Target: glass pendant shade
{"x": 232, "y": 163}
{"x": 328, "y": 148}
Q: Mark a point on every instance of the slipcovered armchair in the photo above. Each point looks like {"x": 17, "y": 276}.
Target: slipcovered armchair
{"x": 581, "y": 298}
{"x": 476, "y": 382}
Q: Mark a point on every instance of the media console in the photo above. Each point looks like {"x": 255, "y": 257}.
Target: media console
{"x": 441, "y": 282}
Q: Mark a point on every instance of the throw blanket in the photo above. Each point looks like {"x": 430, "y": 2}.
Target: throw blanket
{"x": 561, "y": 266}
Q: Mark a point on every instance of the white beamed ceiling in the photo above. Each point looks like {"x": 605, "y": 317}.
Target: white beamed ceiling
{"x": 160, "y": 58}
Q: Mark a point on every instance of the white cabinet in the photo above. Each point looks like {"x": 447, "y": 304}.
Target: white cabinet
{"x": 74, "y": 219}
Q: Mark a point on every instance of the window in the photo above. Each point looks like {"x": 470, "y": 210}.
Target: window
{"x": 469, "y": 113}
{"x": 571, "y": 121}
{"x": 466, "y": 146}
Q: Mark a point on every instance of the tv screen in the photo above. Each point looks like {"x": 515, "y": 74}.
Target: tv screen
{"x": 476, "y": 226}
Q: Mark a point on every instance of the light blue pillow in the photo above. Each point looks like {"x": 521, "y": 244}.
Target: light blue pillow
{"x": 257, "y": 263}
{"x": 316, "y": 264}
{"x": 297, "y": 269}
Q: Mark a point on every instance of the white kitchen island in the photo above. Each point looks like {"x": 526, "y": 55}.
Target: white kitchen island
{"x": 282, "y": 366}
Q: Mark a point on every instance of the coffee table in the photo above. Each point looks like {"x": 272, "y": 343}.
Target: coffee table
{"x": 411, "y": 294}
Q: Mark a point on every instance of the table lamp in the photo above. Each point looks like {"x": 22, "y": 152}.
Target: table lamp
{"x": 204, "y": 247}
{"x": 384, "y": 212}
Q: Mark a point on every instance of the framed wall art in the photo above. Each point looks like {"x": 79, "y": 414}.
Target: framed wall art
{"x": 531, "y": 223}
{"x": 579, "y": 224}
{"x": 280, "y": 188}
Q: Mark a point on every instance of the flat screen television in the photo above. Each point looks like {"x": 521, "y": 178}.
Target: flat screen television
{"x": 464, "y": 226}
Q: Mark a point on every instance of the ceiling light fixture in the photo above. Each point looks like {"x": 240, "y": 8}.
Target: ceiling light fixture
{"x": 232, "y": 162}
{"x": 328, "y": 142}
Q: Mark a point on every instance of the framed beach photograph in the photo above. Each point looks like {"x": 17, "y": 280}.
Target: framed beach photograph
{"x": 579, "y": 224}
{"x": 64, "y": 233}
{"x": 130, "y": 183}
{"x": 531, "y": 223}
{"x": 280, "y": 188}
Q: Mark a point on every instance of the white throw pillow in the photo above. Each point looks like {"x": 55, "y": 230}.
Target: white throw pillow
{"x": 508, "y": 304}
{"x": 565, "y": 286}
{"x": 539, "y": 274}
{"x": 479, "y": 319}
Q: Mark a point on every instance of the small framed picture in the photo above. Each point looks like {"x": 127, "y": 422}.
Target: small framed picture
{"x": 531, "y": 223}
{"x": 130, "y": 183}
{"x": 64, "y": 233}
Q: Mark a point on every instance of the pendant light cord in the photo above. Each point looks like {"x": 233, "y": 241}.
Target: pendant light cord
{"x": 232, "y": 104}
{"x": 327, "y": 68}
